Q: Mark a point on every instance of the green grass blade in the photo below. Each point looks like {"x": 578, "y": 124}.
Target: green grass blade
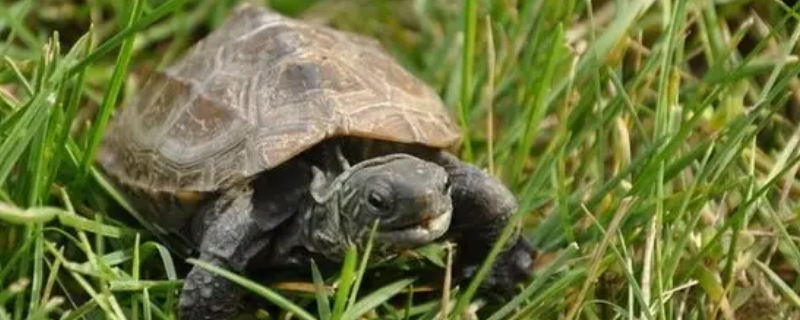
{"x": 538, "y": 284}
{"x": 501, "y": 243}
{"x": 321, "y": 293}
{"x": 374, "y": 299}
{"x": 362, "y": 268}
{"x": 346, "y": 279}
{"x": 467, "y": 63}
{"x": 262, "y": 291}
{"x": 127, "y": 33}
{"x": 110, "y": 98}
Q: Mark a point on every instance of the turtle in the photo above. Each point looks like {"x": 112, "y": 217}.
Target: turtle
{"x": 274, "y": 142}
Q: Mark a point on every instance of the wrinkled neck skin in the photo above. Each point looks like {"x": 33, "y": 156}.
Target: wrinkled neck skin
{"x": 413, "y": 208}
{"x": 315, "y": 232}
{"x": 335, "y": 217}
{"x": 332, "y": 225}
{"x": 326, "y": 232}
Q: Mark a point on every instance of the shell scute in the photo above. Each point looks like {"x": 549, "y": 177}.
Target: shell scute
{"x": 259, "y": 90}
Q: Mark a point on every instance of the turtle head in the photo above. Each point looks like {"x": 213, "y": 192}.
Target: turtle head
{"x": 407, "y": 197}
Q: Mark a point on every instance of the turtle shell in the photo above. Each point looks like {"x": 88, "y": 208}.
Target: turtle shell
{"x": 259, "y": 90}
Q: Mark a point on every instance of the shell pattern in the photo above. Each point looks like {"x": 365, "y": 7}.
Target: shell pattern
{"x": 258, "y": 91}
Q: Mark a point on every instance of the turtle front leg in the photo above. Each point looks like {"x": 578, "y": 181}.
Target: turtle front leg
{"x": 232, "y": 237}
{"x": 206, "y": 295}
{"x": 234, "y": 230}
{"x": 482, "y": 206}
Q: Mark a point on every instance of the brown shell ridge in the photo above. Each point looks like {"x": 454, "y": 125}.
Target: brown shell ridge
{"x": 195, "y": 97}
{"x": 269, "y": 24}
{"x": 260, "y": 90}
{"x": 393, "y": 99}
{"x": 167, "y": 171}
{"x": 190, "y": 87}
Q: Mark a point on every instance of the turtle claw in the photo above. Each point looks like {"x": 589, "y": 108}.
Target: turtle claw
{"x": 513, "y": 266}
{"x": 206, "y": 296}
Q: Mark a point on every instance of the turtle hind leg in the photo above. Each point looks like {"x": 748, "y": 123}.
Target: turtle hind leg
{"x": 482, "y": 206}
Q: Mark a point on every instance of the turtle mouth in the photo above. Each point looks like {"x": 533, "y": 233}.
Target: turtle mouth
{"x": 420, "y": 232}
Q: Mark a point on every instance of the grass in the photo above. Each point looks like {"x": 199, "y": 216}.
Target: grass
{"x": 653, "y": 146}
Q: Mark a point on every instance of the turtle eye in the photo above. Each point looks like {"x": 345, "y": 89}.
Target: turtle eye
{"x": 448, "y": 187}
{"x": 377, "y": 201}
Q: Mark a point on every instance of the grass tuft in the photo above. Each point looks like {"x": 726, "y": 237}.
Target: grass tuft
{"x": 653, "y": 146}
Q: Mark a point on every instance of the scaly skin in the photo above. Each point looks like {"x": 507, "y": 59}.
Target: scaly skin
{"x": 227, "y": 243}
{"x": 233, "y": 230}
{"x": 482, "y": 206}
{"x": 336, "y": 211}
{"x": 337, "y": 208}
